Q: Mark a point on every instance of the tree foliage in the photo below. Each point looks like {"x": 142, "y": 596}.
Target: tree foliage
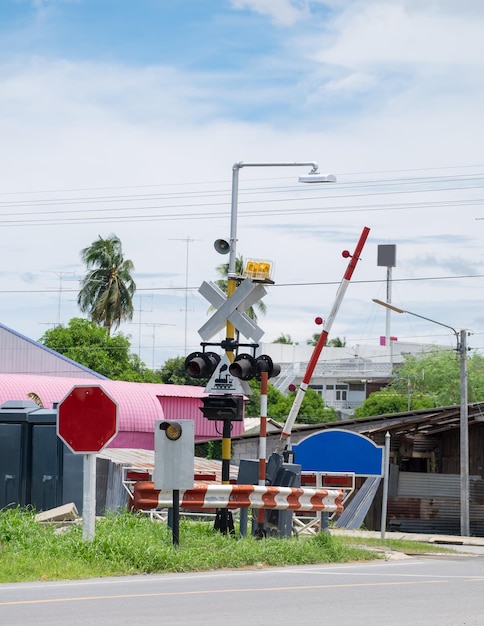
{"x": 312, "y": 411}
{"x": 108, "y": 288}
{"x": 387, "y": 401}
{"x": 425, "y": 381}
{"x": 285, "y": 339}
{"x": 336, "y": 342}
{"x": 92, "y": 346}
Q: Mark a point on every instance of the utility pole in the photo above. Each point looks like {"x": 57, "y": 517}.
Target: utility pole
{"x": 188, "y": 241}
{"x": 140, "y": 311}
{"x": 461, "y": 338}
{"x": 60, "y": 274}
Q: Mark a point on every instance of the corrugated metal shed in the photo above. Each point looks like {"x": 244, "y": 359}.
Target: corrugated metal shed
{"x": 431, "y": 503}
{"x": 145, "y": 460}
{"x": 21, "y": 355}
{"x": 111, "y": 469}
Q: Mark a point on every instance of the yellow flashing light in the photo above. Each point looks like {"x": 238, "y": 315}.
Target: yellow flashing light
{"x": 258, "y": 269}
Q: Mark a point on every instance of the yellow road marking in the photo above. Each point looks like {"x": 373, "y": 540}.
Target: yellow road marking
{"x": 164, "y": 594}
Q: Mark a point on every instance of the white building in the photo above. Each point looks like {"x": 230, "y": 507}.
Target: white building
{"x": 344, "y": 377}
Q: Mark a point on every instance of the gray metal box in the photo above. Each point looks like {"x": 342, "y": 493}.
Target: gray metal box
{"x": 387, "y": 255}
{"x": 174, "y": 459}
{"x": 32, "y": 459}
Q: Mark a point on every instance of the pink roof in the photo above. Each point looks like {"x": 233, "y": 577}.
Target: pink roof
{"x": 138, "y": 408}
{"x": 139, "y": 404}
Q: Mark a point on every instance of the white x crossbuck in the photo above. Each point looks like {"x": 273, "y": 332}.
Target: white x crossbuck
{"x": 232, "y": 309}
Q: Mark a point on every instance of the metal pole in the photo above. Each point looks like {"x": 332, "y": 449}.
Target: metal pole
{"x": 224, "y": 520}
{"x": 89, "y": 497}
{"x": 464, "y": 417}
{"x": 386, "y": 476}
{"x": 464, "y": 439}
{"x": 225, "y": 516}
{"x": 175, "y": 529}
{"x": 262, "y": 448}
{"x": 388, "y": 341}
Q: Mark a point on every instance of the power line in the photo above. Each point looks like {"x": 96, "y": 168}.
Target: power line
{"x": 185, "y": 183}
{"x": 276, "y": 285}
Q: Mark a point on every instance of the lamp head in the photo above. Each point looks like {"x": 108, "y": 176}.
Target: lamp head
{"x": 316, "y": 177}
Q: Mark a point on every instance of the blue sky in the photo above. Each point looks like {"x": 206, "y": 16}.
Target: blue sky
{"x": 127, "y": 116}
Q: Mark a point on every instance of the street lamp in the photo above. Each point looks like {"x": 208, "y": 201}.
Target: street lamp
{"x": 313, "y": 176}
{"x": 221, "y": 246}
{"x": 461, "y": 339}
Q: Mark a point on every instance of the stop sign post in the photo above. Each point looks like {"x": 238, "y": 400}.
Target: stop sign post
{"x": 87, "y": 420}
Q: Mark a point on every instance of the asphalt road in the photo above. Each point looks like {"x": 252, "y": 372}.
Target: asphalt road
{"x": 431, "y": 591}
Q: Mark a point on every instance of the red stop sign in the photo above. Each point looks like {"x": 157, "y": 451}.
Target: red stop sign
{"x": 87, "y": 419}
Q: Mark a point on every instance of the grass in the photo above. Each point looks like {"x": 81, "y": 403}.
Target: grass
{"x": 399, "y": 545}
{"x": 128, "y": 543}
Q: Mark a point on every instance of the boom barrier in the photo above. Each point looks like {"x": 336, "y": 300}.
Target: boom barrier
{"x": 147, "y": 498}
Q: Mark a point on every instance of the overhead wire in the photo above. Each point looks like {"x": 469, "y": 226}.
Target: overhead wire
{"x": 46, "y": 218}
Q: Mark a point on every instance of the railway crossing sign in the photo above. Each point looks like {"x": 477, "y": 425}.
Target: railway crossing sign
{"x": 222, "y": 381}
{"x": 232, "y": 309}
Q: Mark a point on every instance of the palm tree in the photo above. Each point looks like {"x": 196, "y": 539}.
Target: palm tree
{"x": 107, "y": 290}
{"x": 337, "y": 342}
{"x": 283, "y": 338}
{"x": 223, "y": 271}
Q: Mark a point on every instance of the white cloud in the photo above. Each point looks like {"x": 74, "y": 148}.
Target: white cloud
{"x": 389, "y": 35}
{"x": 82, "y": 125}
{"x": 284, "y": 12}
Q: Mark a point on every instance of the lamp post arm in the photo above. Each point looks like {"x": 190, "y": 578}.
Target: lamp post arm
{"x": 428, "y": 319}
{"x": 240, "y": 164}
{"x": 387, "y": 305}
{"x": 236, "y": 167}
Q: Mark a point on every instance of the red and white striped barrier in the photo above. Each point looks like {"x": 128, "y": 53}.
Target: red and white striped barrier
{"x": 146, "y": 498}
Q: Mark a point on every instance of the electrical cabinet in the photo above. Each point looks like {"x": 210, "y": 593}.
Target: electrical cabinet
{"x": 36, "y": 468}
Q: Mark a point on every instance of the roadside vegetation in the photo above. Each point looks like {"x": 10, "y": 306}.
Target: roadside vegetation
{"x": 127, "y": 543}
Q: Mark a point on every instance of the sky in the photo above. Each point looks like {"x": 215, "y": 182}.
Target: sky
{"x": 126, "y": 118}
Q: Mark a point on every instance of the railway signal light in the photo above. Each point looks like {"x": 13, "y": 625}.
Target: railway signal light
{"x": 247, "y": 367}
{"x": 201, "y": 364}
{"x": 223, "y": 407}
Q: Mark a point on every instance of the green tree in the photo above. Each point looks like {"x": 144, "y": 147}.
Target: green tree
{"x": 222, "y": 282}
{"x": 285, "y": 339}
{"x": 337, "y": 342}
{"x": 92, "y": 346}
{"x": 312, "y": 410}
{"x": 387, "y": 401}
{"x": 313, "y": 340}
{"x": 437, "y": 374}
{"x": 108, "y": 288}
{"x": 427, "y": 380}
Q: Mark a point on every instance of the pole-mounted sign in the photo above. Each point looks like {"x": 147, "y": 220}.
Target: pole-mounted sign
{"x": 232, "y": 309}
{"x": 87, "y": 421}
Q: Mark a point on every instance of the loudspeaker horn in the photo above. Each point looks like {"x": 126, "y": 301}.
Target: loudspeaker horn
{"x": 222, "y": 246}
